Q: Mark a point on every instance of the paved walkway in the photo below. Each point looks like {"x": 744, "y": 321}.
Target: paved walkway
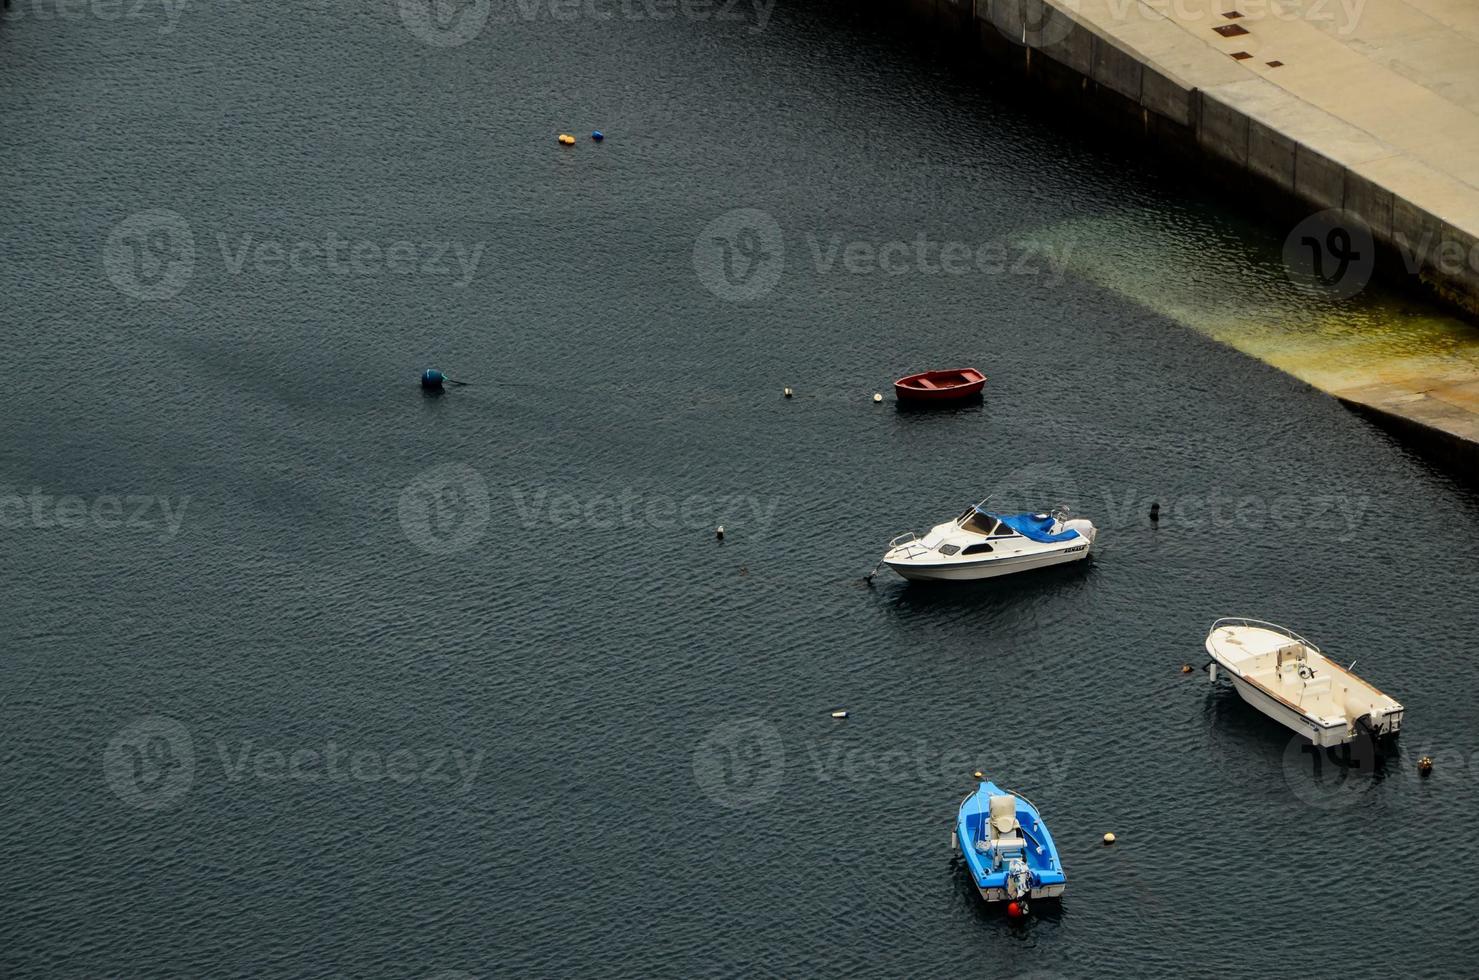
{"x": 1390, "y": 88}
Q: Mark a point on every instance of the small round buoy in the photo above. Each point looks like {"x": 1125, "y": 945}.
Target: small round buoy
{"x": 566, "y": 139}
{"x": 719, "y": 532}
{"x": 1014, "y": 910}
{"x": 431, "y": 379}
{"x": 877, "y": 398}
{"x": 598, "y": 136}
{"x": 787, "y": 392}
{"x": 1155, "y": 512}
{"x": 979, "y": 774}
{"x": 1109, "y": 838}
{"x": 1425, "y": 765}
{"x": 839, "y": 714}
{"x": 1186, "y": 668}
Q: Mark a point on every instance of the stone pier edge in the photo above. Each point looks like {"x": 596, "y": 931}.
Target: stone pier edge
{"x": 1130, "y": 94}
{"x": 1416, "y": 244}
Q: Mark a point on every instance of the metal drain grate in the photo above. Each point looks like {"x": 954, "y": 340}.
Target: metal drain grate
{"x": 1241, "y": 55}
{"x": 1274, "y": 64}
{"x": 1231, "y": 30}
{"x": 1232, "y": 15}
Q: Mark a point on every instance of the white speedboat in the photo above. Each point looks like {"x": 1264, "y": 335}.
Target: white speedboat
{"x": 1287, "y": 678}
{"x": 981, "y": 544}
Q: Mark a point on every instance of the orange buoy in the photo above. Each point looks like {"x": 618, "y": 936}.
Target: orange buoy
{"x": 1014, "y": 910}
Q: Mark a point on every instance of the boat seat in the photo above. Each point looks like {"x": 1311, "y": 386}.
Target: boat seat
{"x": 1003, "y": 815}
{"x": 1009, "y": 844}
{"x": 1316, "y": 687}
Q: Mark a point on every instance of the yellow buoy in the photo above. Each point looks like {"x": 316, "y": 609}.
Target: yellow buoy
{"x": 979, "y": 774}
{"x": 567, "y": 139}
{"x": 1109, "y": 838}
{"x": 877, "y": 398}
{"x": 1186, "y": 668}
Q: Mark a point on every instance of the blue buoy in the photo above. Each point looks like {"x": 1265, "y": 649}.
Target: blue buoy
{"x": 431, "y": 379}
{"x": 598, "y": 136}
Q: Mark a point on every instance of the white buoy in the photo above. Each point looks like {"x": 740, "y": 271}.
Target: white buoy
{"x": 839, "y": 714}
{"x": 789, "y": 392}
{"x": 719, "y": 532}
{"x": 877, "y": 397}
{"x": 1109, "y": 838}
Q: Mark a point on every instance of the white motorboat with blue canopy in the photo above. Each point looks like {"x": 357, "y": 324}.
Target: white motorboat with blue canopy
{"x": 983, "y": 544}
{"x": 1289, "y": 679}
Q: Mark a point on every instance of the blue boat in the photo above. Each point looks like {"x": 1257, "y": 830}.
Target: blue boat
{"x": 1007, "y": 847}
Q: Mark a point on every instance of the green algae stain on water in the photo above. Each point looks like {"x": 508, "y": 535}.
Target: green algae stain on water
{"x": 1231, "y": 285}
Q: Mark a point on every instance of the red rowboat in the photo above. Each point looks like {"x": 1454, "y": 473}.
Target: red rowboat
{"x": 932, "y": 386}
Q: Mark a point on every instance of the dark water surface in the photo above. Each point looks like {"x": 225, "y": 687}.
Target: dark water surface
{"x": 421, "y": 685}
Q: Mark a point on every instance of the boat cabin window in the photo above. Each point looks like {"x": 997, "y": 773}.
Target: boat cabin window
{"x": 976, "y": 549}
{"x": 977, "y": 522}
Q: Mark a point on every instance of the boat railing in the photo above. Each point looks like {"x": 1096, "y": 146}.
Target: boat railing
{"x": 1262, "y": 624}
{"x": 909, "y": 541}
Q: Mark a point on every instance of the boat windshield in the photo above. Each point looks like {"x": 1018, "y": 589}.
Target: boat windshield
{"x": 976, "y": 522}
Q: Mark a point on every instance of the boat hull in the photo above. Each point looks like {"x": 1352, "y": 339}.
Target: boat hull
{"x": 1321, "y": 735}
{"x": 1291, "y": 681}
{"x": 943, "y": 386}
{"x": 987, "y": 568}
{"x": 1000, "y": 894}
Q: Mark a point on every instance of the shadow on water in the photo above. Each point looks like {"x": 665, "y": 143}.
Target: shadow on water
{"x": 973, "y": 405}
{"x": 1244, "y": 731}
{"x": 1023, "y": 590}
{"x": 1049, "y": 911}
